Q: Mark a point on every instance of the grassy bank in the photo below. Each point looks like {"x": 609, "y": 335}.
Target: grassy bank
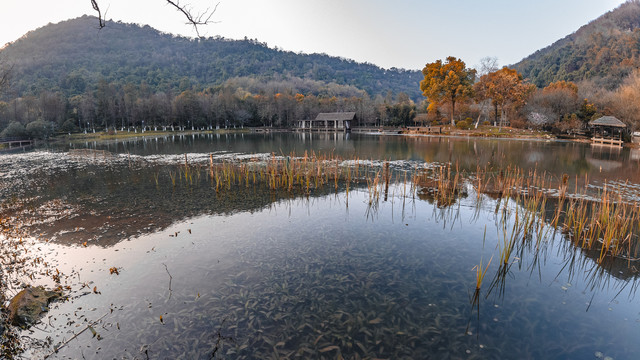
{"x": 493, "y": 132}
{"x": 112, "y": 135}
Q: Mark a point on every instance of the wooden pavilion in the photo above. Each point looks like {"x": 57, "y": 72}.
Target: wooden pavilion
{"x": 607, "y": 130}
{"x": 329, "y": 122}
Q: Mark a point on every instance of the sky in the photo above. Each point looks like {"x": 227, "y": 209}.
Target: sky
{"x": 393, "y": 33}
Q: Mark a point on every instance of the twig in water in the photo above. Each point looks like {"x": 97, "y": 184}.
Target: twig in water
{"x": 90, "y": 326}
{"x": 170, "y": 278}
{"x": 219, "y": 339}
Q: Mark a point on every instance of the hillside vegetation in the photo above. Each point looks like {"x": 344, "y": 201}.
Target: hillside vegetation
{"x": 605, "y": 51}
{"x": 71, "y": 77}
{"x": 72, "y": 56}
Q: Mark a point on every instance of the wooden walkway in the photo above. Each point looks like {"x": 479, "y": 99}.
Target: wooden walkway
{"x": 8, "y": 144}
{"x": 606, "y": 141}
{"x": 423, "y": 130}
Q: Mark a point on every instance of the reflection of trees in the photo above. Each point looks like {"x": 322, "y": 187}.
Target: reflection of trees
{"x": 574, "y": 159}
{"x": 105, "y": 204}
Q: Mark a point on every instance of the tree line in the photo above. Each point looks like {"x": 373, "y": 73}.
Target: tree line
{"x": 467, "y": 97}
{"x": 237, "y": 103}
{"x": 454, "y": 95}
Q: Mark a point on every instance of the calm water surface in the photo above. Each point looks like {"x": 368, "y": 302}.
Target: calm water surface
{"x": 253, "y": 273}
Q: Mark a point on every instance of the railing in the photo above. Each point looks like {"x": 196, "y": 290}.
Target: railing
{"x": 12, "y": 143}
{"x": 606, "y": 141}
{"x": 14, "y": 139}
{"x": 424, "y": 129}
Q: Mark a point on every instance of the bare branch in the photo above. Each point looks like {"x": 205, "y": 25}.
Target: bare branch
{"x": 5, "y": 77}
{"x": 193, "y": 18}
{"x": 101, "y": 20}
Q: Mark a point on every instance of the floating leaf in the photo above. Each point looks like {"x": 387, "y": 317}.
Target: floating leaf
{"x": 375, "y": 321}
{"x": 329, "y": 348}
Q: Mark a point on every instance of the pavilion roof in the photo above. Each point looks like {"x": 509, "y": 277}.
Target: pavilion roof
{"x": 608, "y": 121}
{"x": 336, "y": 116}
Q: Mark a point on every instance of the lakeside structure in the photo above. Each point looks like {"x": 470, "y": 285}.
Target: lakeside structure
{"x": 607, "y": 130}
{"x": 329, "y": 122}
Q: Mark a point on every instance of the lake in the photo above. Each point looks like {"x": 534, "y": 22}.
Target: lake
{"x": 338, "y": 270}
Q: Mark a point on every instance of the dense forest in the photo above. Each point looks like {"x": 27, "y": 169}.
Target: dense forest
{"x": 604, "y": 51}
{"x": 73, "y": 56}
{"x": 71, "y": 77}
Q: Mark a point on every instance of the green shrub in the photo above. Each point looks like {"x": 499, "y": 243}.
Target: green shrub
{"x": 39, "y": 129}
{"x": 70, "y": 126}
{"x": 15, "y": 129}
{"x": 463, "y": 124}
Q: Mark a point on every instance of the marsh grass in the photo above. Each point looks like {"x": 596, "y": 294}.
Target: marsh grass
{"x": 531, "y": 207}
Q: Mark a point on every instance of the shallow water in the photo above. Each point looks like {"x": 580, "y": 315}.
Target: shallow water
{"x": 262, "y": 274}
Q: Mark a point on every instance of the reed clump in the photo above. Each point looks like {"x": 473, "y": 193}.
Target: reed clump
{"x": 290, "y": 173}
{"x": 441, "y": 184}
{"x": 603, "y": 223}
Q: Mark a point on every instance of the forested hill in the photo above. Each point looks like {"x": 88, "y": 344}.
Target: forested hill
{"x": 605, "y": 50}
{"x": 72, "y": 56}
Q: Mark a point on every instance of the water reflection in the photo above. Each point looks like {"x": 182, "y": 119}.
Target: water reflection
{"x": 299, "y": 274}
{"x": 309, "y": 277}
{"x": 555, "y": 157}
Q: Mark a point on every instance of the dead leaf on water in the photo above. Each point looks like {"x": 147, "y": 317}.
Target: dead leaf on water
{"x": 329, "y": 348}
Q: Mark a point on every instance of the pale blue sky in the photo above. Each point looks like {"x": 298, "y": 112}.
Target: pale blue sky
{"x": 399, "y": 33}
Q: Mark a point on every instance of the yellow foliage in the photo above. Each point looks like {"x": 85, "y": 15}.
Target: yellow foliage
{"x": 562, "y": 85}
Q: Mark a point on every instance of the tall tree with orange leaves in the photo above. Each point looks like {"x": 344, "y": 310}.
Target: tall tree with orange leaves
{"x": 447, "y": 82}
{"x": 505, "y": 88}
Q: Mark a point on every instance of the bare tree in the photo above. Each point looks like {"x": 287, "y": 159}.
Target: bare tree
{"x": 5, "y": 77}
{"x": 488, "y": 64}
{"x": 194, "y": 18}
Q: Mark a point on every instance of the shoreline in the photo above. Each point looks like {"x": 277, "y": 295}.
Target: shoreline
{"x": 504, "y": 133}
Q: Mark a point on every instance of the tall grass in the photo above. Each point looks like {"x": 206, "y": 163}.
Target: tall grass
{"x": 534, "y": 204}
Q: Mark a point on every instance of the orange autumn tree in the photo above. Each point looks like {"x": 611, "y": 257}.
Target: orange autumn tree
{"x": 448, "y": 82}
{"x": 505, "y": 88}
{"x": 562, "y": 85}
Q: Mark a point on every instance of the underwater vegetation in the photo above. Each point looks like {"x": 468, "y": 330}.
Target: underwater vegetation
{"x": 317, "y": 286}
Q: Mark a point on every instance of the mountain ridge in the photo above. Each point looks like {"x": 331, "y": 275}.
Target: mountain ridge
{"x": 67, "y": 57}
{"x": 606, "y": 50}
